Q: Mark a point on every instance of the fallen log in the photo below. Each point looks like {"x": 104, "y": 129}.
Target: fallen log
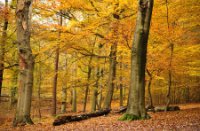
{"x": 124, "y": 108}
{"x": 163, "y": 108}
{"x": 152, "y": 109}
{"x": 66, "y": 119}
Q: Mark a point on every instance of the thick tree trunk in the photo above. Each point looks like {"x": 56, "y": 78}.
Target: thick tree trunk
{"x": 136, "y": 102}
{"x": 26, "y": 63}
{"x": 2, "y": 46}
{"x": 111, "y": 77}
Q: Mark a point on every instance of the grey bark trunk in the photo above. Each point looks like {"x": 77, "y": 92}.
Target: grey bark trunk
{"x": 2, "y": 46}
{"x": 26, "y": 63}
{"x": 136, "y": 102}
{"x": 111, "y": 77}
{"x": 64, "y": 99}
{"x": 64, "y": 91}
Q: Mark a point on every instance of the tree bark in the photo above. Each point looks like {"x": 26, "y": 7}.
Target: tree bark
{"x": 170, "y": 76}
{"x": 95, "y": 91}
{"x": 121, "y": 82}
{"x": 74, "y": 92}
{"x": 64, "y": 99}
{"x": 26, "y": 63}
{"x": 87, "y": 87}
{"x": 66, "y": 119}
{"x": 149, "y": 90}
{"x": 111, "y": 77}
{"x": 74, "y": 99}
{"x": 136, "y": 102}
{"x": 39, "y": 90}
{"x": 13, "y": 89}
{"x": 39, "y": 81}
{"x": 54, "y": 100}
{"x": 3, "y": 43}
{"x": 64, "y": 90}
{"x": 99, "y": 101}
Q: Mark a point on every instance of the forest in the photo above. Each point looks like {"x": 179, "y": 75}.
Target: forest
{"x": 99, "y": 65}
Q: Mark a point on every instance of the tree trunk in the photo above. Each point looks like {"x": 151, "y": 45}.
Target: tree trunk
{"x": 87, "y": 87}
{"x": 99, "y": 101}
{"x": 2, "y": 46}
{"x": 149, "y": 90}
{"x": 64, "y": 99}
{"x": 74, "y": 99}
{"x": 170, "y": 77}
{"x": 39, "y": 90}
{"x": 13, "y": 89}
{"x": 121, "y": 82}
{"x": 54, "y": 100}
{"x": 74, "y": 92}
{"x": 26, "y": 63}
{"x": 95, "y": 91}
{"x": 64, "y": 90}
{"x": 39, "y": 75}
{"x": 136, "y": 102}
{"x": 111, "y": 77}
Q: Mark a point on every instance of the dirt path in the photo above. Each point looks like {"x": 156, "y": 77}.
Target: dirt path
{"x": 187, "y": 119}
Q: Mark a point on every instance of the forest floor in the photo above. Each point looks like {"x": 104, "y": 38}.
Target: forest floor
{"x": 187, "y": 119}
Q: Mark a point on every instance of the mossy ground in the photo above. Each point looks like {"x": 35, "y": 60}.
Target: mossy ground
{"x": 130, "y": 117}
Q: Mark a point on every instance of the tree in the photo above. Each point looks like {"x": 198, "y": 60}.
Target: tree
{"x": 3, "y": 43}
{"x": 150, "y": 74}
{"x": 136, "y": 101}
{"x": 111, "y": 77}
{"x": 26, "y": 63}
{"x": 112, "y": 68}
{"x": 74, "y": 83}
{"x": 54, "y": 100}
{"x": 64, "y": 87}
